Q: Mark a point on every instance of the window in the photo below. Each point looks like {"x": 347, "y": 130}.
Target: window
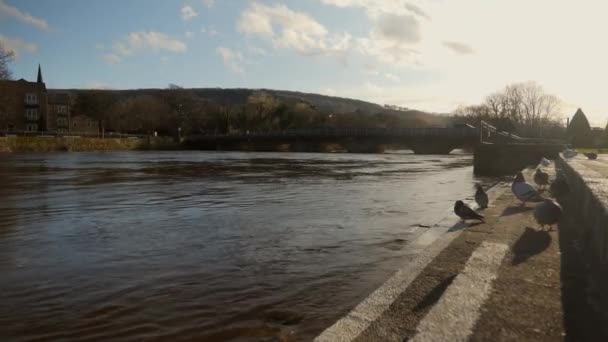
{"x": 62, "y": 122}
{"x": 31, "y": 127}
{"x": 31, "y": 98}
{"x": 62, "y": 109}
{"x": 31, "y": 114}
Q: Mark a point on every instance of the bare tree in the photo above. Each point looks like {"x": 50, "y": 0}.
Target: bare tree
{"x": 6, "y": 57}
{"x": 525, "y": 105}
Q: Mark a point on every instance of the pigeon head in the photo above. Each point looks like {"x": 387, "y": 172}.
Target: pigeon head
{"x": 538, "y": 170}
{"x": 459, "y": 204}
{"x": 519, "y": 178}
{"x": 478, "y": 187}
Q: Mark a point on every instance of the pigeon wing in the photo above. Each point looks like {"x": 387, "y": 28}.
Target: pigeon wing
{"x": 525, "y": 192}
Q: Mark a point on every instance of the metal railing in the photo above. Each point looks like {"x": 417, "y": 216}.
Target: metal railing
{"x": 491, "y": 134}
{"x": 352, "y": 132}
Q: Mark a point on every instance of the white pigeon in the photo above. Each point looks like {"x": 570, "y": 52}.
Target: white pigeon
{"x": 568, "y": 153}
{"x": 545, "y": 162}
{"x": 524, "y": 191}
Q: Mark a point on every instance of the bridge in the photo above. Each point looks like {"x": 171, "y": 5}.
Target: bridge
{"x": 366, "y": 140}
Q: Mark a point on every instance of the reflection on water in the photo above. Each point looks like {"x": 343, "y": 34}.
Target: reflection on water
{"x": 213, "y": 246}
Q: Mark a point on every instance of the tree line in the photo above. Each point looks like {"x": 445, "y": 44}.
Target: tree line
{"x": 174, "y": 109}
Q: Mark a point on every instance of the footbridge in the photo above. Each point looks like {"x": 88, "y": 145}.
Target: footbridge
{"x": 366, "y": 140}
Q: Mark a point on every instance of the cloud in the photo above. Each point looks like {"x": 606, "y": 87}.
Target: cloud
{"x": 459, "y": 48}
{"x": 288, "y": 29}
{"x": 375, "y": 8}
{"x": 23, "y": 17}
{"x": 208, "y": 3}
{"x": 111, "y": 58}
{"x": 188, "y": 13}
{"x": 254, "y": 50}
{"x": 135, "y": 42}
{"x": 232, "y": 60}
{"x": 209, "y": 32}
{"x": 99, "y": 46}
{"x": 392, "y": 77}
{"x": 17, "y": 46}
{"x": 400, "y": 28}
{"x": 189, "y": 34}
{"x": 396, "y": 29}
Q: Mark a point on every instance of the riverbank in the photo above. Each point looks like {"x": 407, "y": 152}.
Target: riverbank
{"x": 499, "y": 280}
{"x": 78, "y": 144}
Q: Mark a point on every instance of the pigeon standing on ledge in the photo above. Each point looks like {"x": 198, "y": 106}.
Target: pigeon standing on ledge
{"x": 559, "y": 187}
{"x": 545, "y": 162}
{"x": 465, "y": 212}
{"x": 548, "y": 213}
{"x": 524, "y": 191}
{"x": 568, "y": 153}
{"x": 591, "y": 155}
{"x": 481, "y": 197}
{"x": 541, "y": 178}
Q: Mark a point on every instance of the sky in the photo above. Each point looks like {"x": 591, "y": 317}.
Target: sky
{"x": 432, "y": 55}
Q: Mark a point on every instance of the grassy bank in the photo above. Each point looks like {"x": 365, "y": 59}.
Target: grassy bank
{"x": 54, "y": 144}
{"x": 594, "y": 150}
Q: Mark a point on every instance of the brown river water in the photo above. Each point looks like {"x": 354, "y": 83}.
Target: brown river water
{"x": 207, "y": 246}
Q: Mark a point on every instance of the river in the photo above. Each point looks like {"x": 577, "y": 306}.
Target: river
{"x": 211, "y": 246}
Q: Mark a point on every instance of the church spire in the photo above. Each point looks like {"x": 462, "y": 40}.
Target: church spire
{"x": 39, "y": 80}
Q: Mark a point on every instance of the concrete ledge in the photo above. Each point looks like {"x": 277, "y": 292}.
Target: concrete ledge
{"x": 589, "y": 188}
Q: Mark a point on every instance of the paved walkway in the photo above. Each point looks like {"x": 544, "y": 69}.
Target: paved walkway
{"x": 503, "y": 280}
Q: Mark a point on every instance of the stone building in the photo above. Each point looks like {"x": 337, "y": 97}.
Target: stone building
{"x": 59, "y": 112}
{"x": 29, "y": 106}
{"x": 23, "y": 105}
{"x": 80, "y": 124}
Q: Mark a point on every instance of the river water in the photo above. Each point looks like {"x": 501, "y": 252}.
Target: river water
{"x": 210, "y": 246}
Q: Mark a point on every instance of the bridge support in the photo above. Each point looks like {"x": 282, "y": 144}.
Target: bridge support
{"x": 353, "y": 146}
{"x": 432, "y": 148}
{"x": 502, "y": 159}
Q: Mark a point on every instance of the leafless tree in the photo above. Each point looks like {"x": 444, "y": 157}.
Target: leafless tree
{"x": 6, "y": 57}
{"x": 525, "y": 105}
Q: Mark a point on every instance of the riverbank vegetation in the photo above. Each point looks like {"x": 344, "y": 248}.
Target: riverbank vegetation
{"x": 65, "y": 144}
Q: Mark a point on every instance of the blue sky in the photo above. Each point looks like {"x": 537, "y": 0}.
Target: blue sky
{"x": 427, "y": 54}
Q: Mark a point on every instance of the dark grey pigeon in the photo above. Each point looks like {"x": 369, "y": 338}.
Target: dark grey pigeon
{"x": 547, "y": 213}
{"x": 541, "y": 178}
{"x": 481, "y": 197}
{"x": 591, "y": 155}
{"x": 559, "y": 187}
{"x": 465, "y": 212}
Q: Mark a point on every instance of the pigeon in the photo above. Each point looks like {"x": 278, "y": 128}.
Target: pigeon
{"x": 541, "y": 178}
{"x": 481, "y": 197}
{"x": 545, "y": 162}
{"x": 559, "y": 187}
{"x": 524, "y": 191}
{"x": 591, "y": 155}
{"x": 568, "y": 153}
{"x": 465, "y": 212}
{"x": 548, "y": 213}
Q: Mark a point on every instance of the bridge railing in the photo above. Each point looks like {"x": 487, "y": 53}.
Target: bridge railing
{"x": 355, "y": 132}
{"x": 490, "y": 134}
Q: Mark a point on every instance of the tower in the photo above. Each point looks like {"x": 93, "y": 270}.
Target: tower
{"x": 39, "y": 80}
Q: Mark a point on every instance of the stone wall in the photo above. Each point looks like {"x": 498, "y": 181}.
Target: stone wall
{"x": 502, "y": 159}
{"x": 589, "y": 191}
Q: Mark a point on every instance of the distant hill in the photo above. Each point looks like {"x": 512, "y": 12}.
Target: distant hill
{"x": 322, "y": 103}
